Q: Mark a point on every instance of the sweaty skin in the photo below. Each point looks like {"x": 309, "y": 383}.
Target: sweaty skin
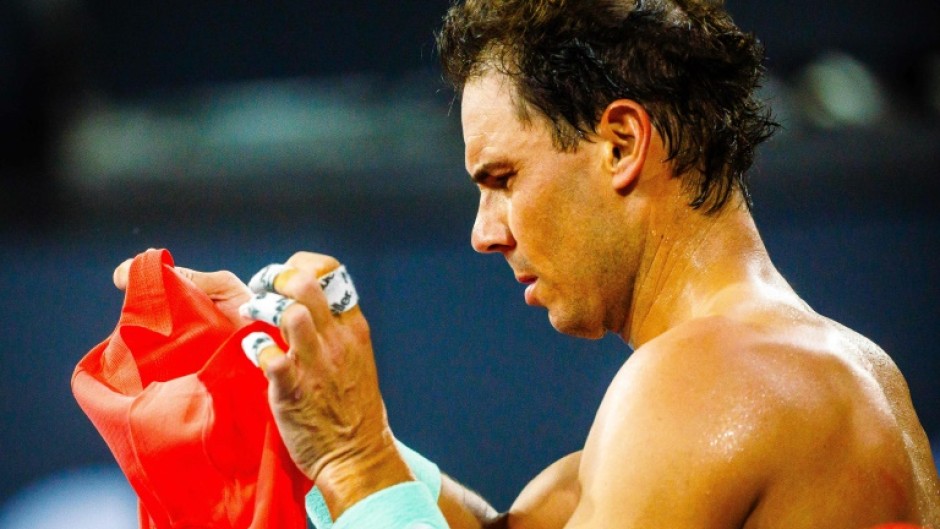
{"x": 741, "y": 406}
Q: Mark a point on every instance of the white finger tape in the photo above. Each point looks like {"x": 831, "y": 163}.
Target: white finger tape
{"x": 265, "y": 307}
{"x": 339, "y": 290}
{"x": 254, "y": 343}
{"x": 263, "y": 281}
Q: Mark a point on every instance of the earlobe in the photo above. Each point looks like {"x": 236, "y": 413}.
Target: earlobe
{"x": 625, "y": 126}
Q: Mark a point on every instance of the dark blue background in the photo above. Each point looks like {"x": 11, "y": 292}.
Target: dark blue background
{"x": 473, "y": 378}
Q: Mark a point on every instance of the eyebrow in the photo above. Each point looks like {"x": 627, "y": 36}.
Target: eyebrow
{"x": 486, "y": 170}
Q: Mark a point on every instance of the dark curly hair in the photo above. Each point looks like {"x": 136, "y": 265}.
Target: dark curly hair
{"x": 685, "y": 61}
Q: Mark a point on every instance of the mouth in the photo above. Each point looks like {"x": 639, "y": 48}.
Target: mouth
{"x": 530, "y": 282}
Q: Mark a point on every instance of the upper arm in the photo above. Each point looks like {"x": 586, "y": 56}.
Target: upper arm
{"x": 675, "y": 444}
{"x": 548, "y": 501}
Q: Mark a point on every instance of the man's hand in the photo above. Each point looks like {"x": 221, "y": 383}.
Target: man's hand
{"x": 223, "y": 288}
{"x": 324, "y": 391}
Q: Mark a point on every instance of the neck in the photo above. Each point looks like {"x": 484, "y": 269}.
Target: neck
{"x": 688, "y": 260}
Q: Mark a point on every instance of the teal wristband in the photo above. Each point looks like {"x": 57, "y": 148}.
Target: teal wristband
{"x": 426, "y": 472}
{"x": 408, "y": 505}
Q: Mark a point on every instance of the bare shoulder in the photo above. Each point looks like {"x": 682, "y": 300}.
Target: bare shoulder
{"x": 688, "y": 415}
{"x": 775, "y": 406}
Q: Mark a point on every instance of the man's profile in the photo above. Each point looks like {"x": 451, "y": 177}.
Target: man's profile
{"x": 610, "y": 140}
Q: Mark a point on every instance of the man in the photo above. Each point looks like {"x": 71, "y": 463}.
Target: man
{"x": 609, "y": 141}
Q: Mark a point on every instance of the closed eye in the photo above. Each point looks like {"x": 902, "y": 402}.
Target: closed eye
{"x": 495, "y": 175}
{"x": 499, "y": 181}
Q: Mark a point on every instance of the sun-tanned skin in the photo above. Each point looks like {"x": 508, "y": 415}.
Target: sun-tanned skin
{"x": 740, "y": 407}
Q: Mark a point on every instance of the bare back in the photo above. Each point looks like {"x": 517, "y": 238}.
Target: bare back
{"x": 860, "y": 451}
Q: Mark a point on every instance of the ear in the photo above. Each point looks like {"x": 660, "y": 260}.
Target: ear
{"x": 625, "y": 128}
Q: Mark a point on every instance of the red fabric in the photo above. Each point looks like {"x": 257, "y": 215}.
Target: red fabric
{"x": 184, "y": 411}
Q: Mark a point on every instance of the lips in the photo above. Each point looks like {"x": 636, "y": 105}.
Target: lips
{"x": 530, "y": 282}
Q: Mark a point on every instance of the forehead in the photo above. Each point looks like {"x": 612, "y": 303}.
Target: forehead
{"x": 492, "y": 126}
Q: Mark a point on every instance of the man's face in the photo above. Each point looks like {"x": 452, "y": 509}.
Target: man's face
{"x": 554, "y": 216}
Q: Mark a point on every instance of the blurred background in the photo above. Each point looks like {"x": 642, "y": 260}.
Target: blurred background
{"x": 235, "y": 133}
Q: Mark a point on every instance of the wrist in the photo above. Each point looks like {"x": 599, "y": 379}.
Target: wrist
{"x": 423, "y": 470}
{"x": 347, "y": 480}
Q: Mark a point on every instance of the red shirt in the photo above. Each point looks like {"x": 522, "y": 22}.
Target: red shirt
{"x": 184, "y": 411}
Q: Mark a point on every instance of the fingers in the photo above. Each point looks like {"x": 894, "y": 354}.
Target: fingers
{"x": 324, "y": 388}
{"x": 293, "y": 319}
{"x": 261, "y": 349}
{"x": 317, "y": 281}
{"x": 121, "y": 274}
{"x": 267, "y": 307}
{"x": 264, "y": 280}
{"x": 315, "y": 263}
{"x": 283, "y": 369}
{"x": 215, "y": 284}
{"x": 305, "y": 285}
{"x": 303, "y": 297}
{"x": 282, "y": 374}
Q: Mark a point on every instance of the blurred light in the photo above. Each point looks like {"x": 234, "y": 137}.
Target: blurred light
{"x": 838, "y": 90}
{"x": 88, "y": 498}
{"x": 266, "y": 131}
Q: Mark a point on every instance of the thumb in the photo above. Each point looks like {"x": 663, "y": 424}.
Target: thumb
{"x": 222, "y": 284}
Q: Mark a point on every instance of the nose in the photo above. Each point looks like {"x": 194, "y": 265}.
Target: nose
{"x": 491, "y": 232}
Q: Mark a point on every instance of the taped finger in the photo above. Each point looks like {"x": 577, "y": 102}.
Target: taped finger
{"x": 260, "y": 349}
{"x": 337, "y": 286}
{"x": 263, "y": 281}
{"x": 121, "y": 274}
{"x": 267, "y": 307}
{"x": 339, "y": 290}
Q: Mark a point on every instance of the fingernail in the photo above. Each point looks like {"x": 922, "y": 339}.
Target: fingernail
{"x": 253, "y": 344}
{"x": 263, "y": 281}
{"x": 265, "y": 307}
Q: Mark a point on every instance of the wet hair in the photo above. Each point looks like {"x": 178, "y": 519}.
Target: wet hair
{"x": 685, "y": 61}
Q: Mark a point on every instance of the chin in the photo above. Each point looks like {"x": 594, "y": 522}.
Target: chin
{"x": 573, "y": 326}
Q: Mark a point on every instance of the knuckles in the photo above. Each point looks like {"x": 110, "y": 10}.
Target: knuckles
{"x": 318, "y": 264}
{"x": 295, "y": 316}
{"x": 226, "y": 278}
{"x": 305, "y": 286}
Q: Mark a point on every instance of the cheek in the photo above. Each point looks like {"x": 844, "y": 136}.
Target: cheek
{"x": 550, "y": 212}
{"x": 534, "y": 220}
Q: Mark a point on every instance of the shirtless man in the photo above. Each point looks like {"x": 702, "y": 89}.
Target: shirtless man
{"x": 609, "y": 143}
